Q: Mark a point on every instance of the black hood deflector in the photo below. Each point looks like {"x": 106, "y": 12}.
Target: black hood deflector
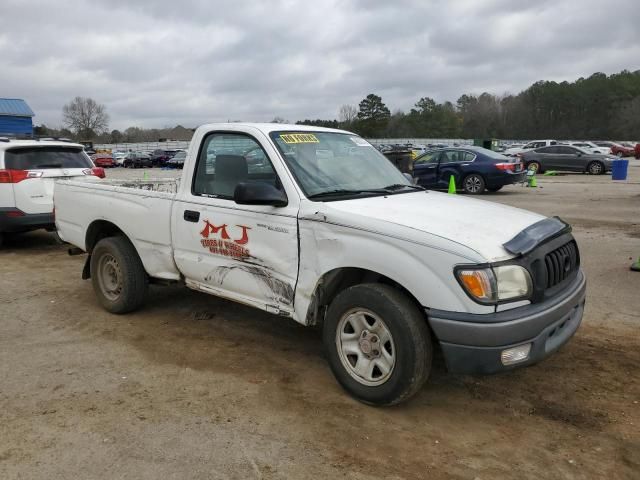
{"x": 535, "y": 234}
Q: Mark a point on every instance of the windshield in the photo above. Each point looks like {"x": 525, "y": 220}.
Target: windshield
{"x": 325, "y": 162}
{"x": 40, "y": 158}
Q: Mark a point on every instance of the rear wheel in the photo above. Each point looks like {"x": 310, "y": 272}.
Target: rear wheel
{"x": 118, "y": 276}
{"x": 473, "y": 184}
{"x": 534, "y": 166}
{"x": 595, "y": 168}
{"x": 378, "y": 344}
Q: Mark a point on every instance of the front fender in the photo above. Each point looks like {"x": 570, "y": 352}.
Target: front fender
{"x": 425, "y": 271}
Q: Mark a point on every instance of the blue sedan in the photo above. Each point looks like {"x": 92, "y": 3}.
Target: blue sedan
{"x": 475, "y": 169}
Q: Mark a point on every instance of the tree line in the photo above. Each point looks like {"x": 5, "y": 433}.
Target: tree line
{"x": 597, "y": 107}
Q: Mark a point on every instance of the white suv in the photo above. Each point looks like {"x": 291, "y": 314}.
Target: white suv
{"x": 28, "y": 169}
{"x": 589, "y": 147}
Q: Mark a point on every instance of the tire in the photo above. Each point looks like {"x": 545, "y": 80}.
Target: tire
{"x": 535, "y": 166}
{"x": 473, "y": 184}
{"x": 118, "y": 276}
{"x": 495, "y": 189}
{"x": 596, "y": 168}
{"x": 369, "y": 313}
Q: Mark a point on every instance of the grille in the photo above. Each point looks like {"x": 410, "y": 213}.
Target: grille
{"x": 561, "y": 263}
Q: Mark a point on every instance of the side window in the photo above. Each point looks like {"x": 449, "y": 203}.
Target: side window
{"x": 467, "y": 157}
{"x": 431, "y": 157}
{"x": 227, "y": 159}
{"x": 547, "y": 150}
{"x": 452, "y": 156}
{"x": 566, "y": 150}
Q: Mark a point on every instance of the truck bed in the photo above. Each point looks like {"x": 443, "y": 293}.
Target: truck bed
{"x": 139, "y": 208}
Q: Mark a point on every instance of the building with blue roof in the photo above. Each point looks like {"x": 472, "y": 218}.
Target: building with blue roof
{"x": 16, "y": 117}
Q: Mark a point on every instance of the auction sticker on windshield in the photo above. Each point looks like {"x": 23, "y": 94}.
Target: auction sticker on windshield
{"x": 299, "y": 138}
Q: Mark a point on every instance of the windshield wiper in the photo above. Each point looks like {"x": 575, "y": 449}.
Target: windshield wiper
{"x": 330, "y": 193}
{"x": 398, "y": 186}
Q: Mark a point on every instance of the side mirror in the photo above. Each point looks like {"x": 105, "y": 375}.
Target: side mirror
{"x": 259, "y": 194}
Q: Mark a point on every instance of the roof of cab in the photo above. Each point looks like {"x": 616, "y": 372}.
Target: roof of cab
{"x": 267, "y": 128}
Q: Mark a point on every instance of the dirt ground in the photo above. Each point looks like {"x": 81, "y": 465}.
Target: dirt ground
{"x": 197, "y": 387}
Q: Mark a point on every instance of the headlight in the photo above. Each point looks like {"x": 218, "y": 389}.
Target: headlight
{"x": 513, "y": 282}
{"x": 497, "y": 284}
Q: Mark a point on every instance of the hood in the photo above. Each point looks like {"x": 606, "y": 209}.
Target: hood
{"x": 480, "y": 225}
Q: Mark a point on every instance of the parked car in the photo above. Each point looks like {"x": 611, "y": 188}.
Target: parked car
{"x": 528, "y": 146}
{"x": 566, "y": 158}
{"x": 475, "y": 169}
{"x": 617, "y": 149}
{"x": 103, "y": 160}
{"x": 418, "y": 150}
{"x": 160, "y": 157}
{"x": 118, "y": 157}
{"x": 589, "y": 147}
{"x": 336, "y": 236}
{"x": 177, "y": 161}
{"x": 28, "y": 169}
{"x": 137, "y": 160}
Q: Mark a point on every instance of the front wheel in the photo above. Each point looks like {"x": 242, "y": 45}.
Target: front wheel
{"x": 595, "y": 168}
{"x": 473, "y": 184}
{"x": 118, "y": 276}
{"x": 378, "y": 344}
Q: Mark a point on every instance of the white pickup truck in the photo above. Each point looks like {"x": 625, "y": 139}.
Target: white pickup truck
{"x": 316, "y": 225}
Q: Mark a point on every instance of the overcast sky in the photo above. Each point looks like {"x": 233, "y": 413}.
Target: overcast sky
{"x": 157, "y": 63}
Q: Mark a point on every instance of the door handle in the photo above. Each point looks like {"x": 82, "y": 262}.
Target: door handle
{"x": 191, "y": 216}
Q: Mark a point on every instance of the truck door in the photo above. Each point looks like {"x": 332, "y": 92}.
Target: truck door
{"x": 248, "y": 253}
{"x": 425, "y": 169}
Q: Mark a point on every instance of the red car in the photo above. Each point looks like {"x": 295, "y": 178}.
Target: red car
{"x": 637, "y": 150}
{"x": 618, "y": 149}
{"x": 103, "y": 160}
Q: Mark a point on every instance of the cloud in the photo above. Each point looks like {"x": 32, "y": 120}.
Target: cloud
{"x": 162, "y": 63}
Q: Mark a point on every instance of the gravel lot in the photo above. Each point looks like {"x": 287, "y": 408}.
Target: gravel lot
{"x": 197, "y": 387}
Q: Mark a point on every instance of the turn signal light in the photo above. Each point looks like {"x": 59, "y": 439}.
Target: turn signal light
{"x": 479, "y": 283}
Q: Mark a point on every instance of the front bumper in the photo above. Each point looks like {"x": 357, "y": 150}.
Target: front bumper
{"x": 472, "y": 343}
{"x": 12, "y": 223}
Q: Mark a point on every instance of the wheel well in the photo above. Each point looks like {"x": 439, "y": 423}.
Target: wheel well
{"x": 98, "y": 230}
{"x": 339, "y": 279}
